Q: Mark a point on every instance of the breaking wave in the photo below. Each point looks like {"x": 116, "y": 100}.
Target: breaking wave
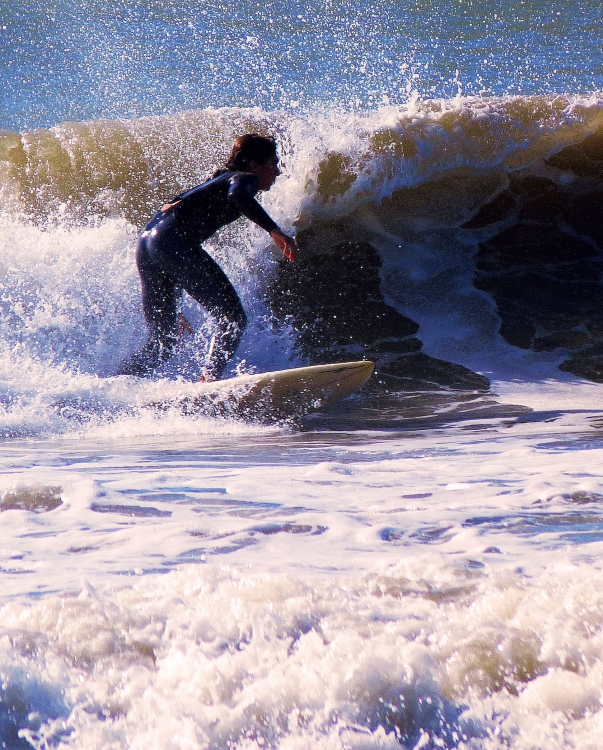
{"x": 408, "y": 180}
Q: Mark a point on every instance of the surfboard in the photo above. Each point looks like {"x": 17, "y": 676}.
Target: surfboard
{"x": 272, "y": 396}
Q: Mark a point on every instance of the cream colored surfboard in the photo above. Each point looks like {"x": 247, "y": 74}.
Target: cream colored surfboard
{"x": 273, "y": 395}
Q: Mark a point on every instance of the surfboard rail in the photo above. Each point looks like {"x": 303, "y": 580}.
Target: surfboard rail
{"x": 273, "y": 396}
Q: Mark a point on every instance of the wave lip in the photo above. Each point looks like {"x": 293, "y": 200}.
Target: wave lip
{"x": 336, "y": 161}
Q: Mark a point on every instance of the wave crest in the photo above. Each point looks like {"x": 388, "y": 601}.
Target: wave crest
{"x": 336, "y": 161}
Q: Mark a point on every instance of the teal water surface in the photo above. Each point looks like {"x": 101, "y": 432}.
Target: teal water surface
{"x": 83, "y": 59}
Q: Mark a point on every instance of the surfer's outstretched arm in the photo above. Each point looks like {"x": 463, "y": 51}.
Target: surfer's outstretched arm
{"x": 243, "y": 187}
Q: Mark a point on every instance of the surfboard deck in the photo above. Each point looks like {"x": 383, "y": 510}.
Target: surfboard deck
{"x": 272, "y": 396}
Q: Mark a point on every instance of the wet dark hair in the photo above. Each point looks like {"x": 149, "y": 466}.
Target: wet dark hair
{"x": 247, "y": 148}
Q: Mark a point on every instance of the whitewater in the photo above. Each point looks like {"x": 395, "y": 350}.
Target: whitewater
{"x": 421, "y": 565}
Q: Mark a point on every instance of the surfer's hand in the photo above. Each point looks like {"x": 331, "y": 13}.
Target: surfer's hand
{"x": 285, "y": 243}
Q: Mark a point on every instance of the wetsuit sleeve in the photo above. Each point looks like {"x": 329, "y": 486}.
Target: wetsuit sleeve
{"x": 243, "y": 187}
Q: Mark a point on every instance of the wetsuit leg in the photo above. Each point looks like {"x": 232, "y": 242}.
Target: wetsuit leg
{"x": 167, "y": 264}
{"x": 201, "y": 277}
{"x": 207, "y": 283}
{"x": 160, "y": 297}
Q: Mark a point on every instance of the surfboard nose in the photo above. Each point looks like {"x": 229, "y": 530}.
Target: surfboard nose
{"x": 354, "y": 374}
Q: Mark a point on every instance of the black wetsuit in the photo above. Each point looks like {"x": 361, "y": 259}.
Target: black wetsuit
{"x": 170, "y": 258}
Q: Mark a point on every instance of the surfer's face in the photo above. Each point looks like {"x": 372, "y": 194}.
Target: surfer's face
{"x": 266, "y": 172}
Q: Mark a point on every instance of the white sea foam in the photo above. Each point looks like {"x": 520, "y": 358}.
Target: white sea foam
{"x": 426, "y": 650}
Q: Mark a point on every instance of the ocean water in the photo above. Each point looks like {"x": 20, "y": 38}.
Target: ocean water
{"x": 416, "y": 570}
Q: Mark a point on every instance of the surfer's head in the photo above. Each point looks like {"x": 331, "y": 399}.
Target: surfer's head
{"x": 256, "y": 154}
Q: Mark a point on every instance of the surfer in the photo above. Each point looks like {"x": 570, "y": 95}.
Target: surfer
{"x": 170, "y": 258}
